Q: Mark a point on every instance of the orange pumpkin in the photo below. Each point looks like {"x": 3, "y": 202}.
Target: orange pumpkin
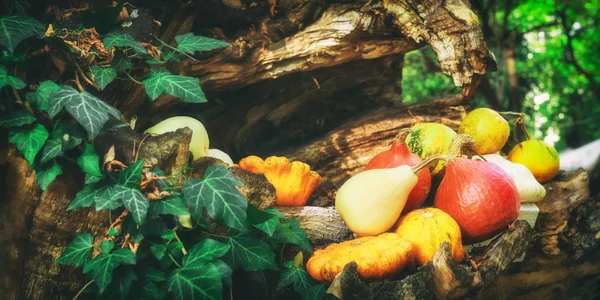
{"x": 426, "y": 229}
{"x": 377, "y": 257}
{"x": 293, "y": 182}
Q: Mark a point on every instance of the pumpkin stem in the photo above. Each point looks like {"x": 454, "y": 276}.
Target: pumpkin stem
{"x": 401, "y": 136}
{"x": 463, "y": 142}
{"x": 429, "y": 161}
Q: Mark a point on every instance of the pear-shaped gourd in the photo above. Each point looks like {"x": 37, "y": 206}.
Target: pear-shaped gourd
{"x": 370, "y": 202}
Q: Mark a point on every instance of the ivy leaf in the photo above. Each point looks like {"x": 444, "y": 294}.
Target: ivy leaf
{"x": 168, "y": 235}
{"x": 106, "y": 246}
{"x": 113, "y": 232}
{"x": 152, "y": 274}
{"x": 105, "y": 198}
{"x": 190, "y": 43}
{"x": 14, "y": 29}
{"x": 201, "y": 282}
{"x": 317, "y": 292}
{"x": 123, "y": 40}
{"x": 78, "y": 250}
{"x": 71, "y": 135}
{"x": 87, "y": 196}
{"x": 121, "y": 62}
{"x": 290, "y": 232}
{"x": 173, "y": 205}
{"x": 225, "y": 271}
{"x": 266, "y": 221}
{"x": 52, "y": 149}
{"x": 250, "y": 253}
{"x": 40, "y": 97}
{"x": 13, "y": 81}
{"x": 158, "y": 251}
{"x": 120, "y": 286}
{"x": 9, "y": 57}
{"x": 29, "y": 140}
{"x": 204, "y": 251}
{"x": 88, "y": 161}
{"x": 91, "y": 112}
{"x": 132, "y": 175}
{"x": 102, "y": 267}
{"x": 151, "y": 291}
{"x": 298, "y": 277}
{"x": 184, "y": 87}
{"x": 103, "y": 76}
{"x": 17, "y": 118}
{"x": 217, "y": 193}
{"x": 89, "y": 179}
{"x": 47, "y": 173}
{"x": 153, "y": 226}
{"x": 133, "y": 200}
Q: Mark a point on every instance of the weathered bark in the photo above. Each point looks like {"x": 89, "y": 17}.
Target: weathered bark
{"x": 323, "y": 225}
{"x": 564, "y": 193}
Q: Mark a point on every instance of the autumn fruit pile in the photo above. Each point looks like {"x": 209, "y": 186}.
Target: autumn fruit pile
{"x": 479, "y": 194}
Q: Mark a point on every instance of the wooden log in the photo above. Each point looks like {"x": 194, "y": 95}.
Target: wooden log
{"x": 565, "y": 192}
{"x": 323, "y": 225}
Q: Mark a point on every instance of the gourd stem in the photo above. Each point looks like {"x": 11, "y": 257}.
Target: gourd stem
{"x": 401, "y": 136}
{"x": 459, "y": 143}
{"x": 462, "y": 142}
{"x": 429, "y": 161}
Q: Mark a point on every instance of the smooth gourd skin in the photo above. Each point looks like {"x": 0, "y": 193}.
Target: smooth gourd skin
{"x": 530, "y": 190}
{"x": 540, "y": 158}
{"x": 370, "y": 202}
{"x": 489, "y": 129}
{"x": 428, "y": 139}
{"x": 377, "y": 257}
{"x": 426, "y": 229}
{"x": 397, "y": 155}
{"x": 479, "y": 196}
{"x": 199, "y": 142}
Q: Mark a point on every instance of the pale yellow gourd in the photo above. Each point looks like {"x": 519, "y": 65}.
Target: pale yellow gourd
{"x": 370, "y": 202}
{"x": 199, "y": 142}
{"x": 530, "y": 190}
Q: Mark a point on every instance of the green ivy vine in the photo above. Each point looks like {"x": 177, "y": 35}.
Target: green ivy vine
{"x": 148, "y": 252}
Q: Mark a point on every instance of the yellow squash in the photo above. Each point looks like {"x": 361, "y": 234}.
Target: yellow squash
{"x": 426, "y": 229}
{"x": 377, "y": 257}
{"x": 540, "y": 158}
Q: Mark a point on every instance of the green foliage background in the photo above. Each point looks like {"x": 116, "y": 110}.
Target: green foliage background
{"x": 562, "y": 101}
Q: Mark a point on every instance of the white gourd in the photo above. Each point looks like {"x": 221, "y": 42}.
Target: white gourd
{"x": 218, "y": 154}
{"x": 530, "y": 190}
{"x": 199, "y": 142}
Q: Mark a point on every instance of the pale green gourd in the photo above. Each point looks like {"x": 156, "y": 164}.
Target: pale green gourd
{"x": 370, "y": 202}
{"x": 199, "y": 142}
